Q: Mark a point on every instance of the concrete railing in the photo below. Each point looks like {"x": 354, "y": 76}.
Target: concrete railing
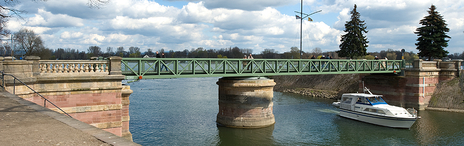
{"x": 73, "y": 66}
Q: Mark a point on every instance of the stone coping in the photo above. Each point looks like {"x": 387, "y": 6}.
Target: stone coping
{"x": 444, "y": 109}
{"x": 76, "y": 77}
{"x": 100, "y": 134}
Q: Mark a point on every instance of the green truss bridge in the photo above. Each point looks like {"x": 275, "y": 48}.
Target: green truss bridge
{"x": 155, "y": 68}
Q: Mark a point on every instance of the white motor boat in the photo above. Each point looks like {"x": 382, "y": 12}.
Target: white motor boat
{"x": 373, "y": 109}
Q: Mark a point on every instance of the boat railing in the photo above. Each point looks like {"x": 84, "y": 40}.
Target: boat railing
{"x": 412, "y": 111}
{"x": 367, "y": 90}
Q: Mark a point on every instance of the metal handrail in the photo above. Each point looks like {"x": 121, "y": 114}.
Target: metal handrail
{"x": 14, "y": 89}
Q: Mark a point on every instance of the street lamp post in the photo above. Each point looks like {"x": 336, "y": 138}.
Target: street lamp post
{"x": 301, "y": 25}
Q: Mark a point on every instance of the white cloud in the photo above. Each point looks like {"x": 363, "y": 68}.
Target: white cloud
{"x": 47, "y": 19}
{"x": 115, "y": 38}
{"x": 215, "y": 24}
{"x": 195, "y": 12}
{"x": 342, "y": 18}
{"x": 68, "y": 35}
{"x": 93, "y": 39}
{"x": 248, "y": 5}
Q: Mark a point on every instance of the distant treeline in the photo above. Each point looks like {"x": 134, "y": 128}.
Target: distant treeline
{"x": 235, "y": 52}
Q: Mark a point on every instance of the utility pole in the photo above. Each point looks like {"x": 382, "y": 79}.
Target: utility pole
{"x": 301, "y": 30}
{"x": 301, "y": 25}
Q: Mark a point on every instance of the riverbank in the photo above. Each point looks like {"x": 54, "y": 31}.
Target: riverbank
{"x": 321, "y": 86}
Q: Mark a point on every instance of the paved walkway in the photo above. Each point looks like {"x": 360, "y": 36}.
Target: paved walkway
{"x": 25, "y": 123}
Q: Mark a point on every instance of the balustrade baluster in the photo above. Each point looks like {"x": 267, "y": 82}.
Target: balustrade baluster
{"x": 54, "y": 68}
{"x": 106, "y": 67}
{"x": 66, "y": 67}
{"x": 78, "y": 65}
{"x": 71, "y": 68}
{"x": 60, "y": 68}
{"x": 49, "y": 68}
{"x": 101, "y": 68}
{"x": 82, "y": 68}
{"x": 42, "y": 68}
{"x": 86, "y": 67}
{"x": 74, "y": 67}
{"x": 91, "y": 67}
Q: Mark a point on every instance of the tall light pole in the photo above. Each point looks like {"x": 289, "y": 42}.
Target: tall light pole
{"x": 301, "y": 25}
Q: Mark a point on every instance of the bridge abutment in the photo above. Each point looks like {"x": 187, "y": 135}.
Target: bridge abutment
{"x": 416, "y": 87}
{"x": 246, "y": 102}
{"x": 84, "y": 89}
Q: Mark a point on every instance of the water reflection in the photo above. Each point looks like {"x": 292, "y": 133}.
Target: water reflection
{"x": 439, "y": 128}
{"x": 236, "y": 137}
{"x": 355, "y": 132}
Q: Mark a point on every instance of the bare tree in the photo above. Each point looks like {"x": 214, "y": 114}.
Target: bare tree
{"x": 269, "y": 53}
{"x": 120, "y": 51}
{"x": 94, "y": 51}
{"x": 28, "y": 41}
{"x": 316, "y": 51}
{"x": 7, "y": 12}
{"x": 109, "y": 51}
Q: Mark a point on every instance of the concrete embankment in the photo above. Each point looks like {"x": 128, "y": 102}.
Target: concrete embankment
{"x": 25, "y": 123}
{"x": 322, "y": 86}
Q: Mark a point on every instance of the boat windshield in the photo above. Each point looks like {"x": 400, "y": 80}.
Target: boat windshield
{"x": 376, "y": 100}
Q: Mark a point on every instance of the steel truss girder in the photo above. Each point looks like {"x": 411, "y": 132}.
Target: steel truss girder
{"x": 151, "y": 68}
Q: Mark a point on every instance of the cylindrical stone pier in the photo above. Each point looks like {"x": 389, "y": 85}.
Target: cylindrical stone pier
{"x": 246, "y": 102}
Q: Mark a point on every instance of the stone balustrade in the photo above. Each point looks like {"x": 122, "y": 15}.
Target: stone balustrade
{"x": 73, "y": 66}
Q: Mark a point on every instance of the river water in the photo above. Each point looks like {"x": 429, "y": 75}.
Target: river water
{"x": 183, "y": 112}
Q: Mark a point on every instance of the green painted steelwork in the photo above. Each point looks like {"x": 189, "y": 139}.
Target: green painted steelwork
{"x": 150, "y": 68}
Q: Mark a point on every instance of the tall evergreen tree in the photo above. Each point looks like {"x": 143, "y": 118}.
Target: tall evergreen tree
{"x": 354, "y": 43}
{"x": 432, "y": 35}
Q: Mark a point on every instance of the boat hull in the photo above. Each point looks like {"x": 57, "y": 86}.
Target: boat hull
{"x": 394, "y": 122}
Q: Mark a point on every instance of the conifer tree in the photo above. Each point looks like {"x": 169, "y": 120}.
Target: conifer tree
{"x": 354, "y": 43}
{"x": 432, "y": 35}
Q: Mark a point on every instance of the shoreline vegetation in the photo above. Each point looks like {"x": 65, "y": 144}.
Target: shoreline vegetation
{"x": 448, "y": 96}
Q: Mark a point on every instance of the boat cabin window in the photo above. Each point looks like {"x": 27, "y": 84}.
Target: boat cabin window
{"x": 362, "y": 100}
{"x": 347, "y": 101}
{"x": 374, "y": 110}
{"x": 376, "y": 100}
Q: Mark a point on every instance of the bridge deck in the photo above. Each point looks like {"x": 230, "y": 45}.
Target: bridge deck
{"x": 150, "y": 68}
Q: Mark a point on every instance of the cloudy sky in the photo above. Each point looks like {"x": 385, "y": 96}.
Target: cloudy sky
{"x": 214, "y": 24}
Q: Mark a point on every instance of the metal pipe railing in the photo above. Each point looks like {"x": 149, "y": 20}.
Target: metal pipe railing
{"x": 14, "y": 91}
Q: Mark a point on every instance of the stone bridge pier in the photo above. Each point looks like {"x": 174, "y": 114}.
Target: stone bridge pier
{"x": 245, "y": 102}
